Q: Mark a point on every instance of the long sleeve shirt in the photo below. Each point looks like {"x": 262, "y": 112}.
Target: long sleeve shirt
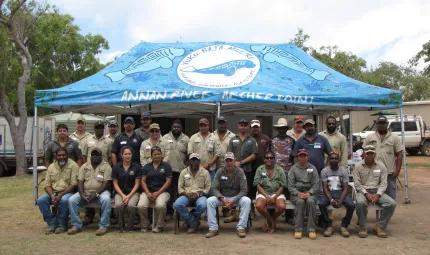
{"x": 303, "y": 179}
{"x": 370, "y": 178}
{"x": 234, "y": 186}
{"x": 189, "y": 183}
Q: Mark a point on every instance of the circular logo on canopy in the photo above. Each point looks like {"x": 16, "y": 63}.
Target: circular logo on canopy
{"x": 219, "y": 66}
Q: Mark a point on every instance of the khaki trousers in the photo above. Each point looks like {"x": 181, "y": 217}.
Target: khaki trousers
{"x": 130, "y": 208}
{"x": 160, "y": 205}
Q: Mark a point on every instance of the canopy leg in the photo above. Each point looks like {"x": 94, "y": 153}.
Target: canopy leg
{"x": 407, "y": 200}
{"x": 35, "y": 152}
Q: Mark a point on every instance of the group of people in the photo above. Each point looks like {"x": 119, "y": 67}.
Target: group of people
{"x": 144, "y": 170}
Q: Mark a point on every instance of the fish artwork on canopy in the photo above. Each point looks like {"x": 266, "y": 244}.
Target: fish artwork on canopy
{"x": 159, "y": 58}
{"x": 228, "y": 68}
{"x": 273, "y": 54}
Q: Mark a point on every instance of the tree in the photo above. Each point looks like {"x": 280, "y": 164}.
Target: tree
{"x": 424, "y": 54}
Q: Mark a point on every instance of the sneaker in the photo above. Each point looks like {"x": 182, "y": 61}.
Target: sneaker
{"x": 88, "y": 220}
{"x": 60, "y": 230}
{"x": 241, "y": 233}
{"x": 193, "y": 229}
{"x": 297, "y": 235}
{"x": 74, "y": 230}
{"x": 211, "y": 233}
{"x": 379, "y": 232}
{"x": 144, "y": 229}
{"x": 362, "y": 233}
{"x": 101, "y": 231}
{"x": 157, "y": 230}
{"x": 344, "y": 232}
{"x": 328, "y": 232}
{"x": 312, "y": 235}
{"x": 50, "y": 230}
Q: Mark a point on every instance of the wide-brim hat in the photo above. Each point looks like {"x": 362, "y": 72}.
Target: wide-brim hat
{"x": 282, "y": 122}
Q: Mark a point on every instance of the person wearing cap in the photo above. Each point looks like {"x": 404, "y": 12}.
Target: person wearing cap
{"x": 127, "y": 138}
{"x": 98, "y": 140}
{"x": 297, "y": 131}
{"x": 193, "y": 188}
{"x": 63, "y": 140}
{"x": 93, "y": 184}
{"x": 155, "y": 139}
{"x": 143, "y": 131}
{"x": 223, "y": 135}
{"x": 303, "y": 185}
{"x": 113, "y": 130}
{"x": 337, "y": 141}
{"x": 389, "y": 150}
{"x": 229, "y": 188}
{"x": 80, "y": 135}
{"x": 370, "y": 183}
{"x": 335, "y": 186}
{"x": 206, "y": 145}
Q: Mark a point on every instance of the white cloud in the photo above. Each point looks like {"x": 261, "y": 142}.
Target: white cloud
{"x": 107, "y": 57}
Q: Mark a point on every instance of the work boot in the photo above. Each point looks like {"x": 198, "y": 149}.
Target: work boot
{"x": 362, "y": 233}
{"x": 88, "y": 220}
{"x": 60, "y": 230}
{"x": 74, "y": 230}
{"x": 241, "y": 233}
{"x": 328, "y": 232}
{"x": 298, "y": 235}
{"x": 231, "y": 217}
{"x": 211, "y": 233}
{"x": 50, "y": 230}
{"x": 312, "y": 235}
{"x": 101, "y": 231}
{"x": 193, "y": 229}
{"x": 344, "y": 232}
{"x": 379, "y": 232}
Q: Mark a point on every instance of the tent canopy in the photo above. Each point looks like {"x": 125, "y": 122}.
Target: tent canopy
{"x": 193, "y": 78}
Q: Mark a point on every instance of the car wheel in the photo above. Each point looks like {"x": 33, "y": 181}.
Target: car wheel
{"x": 425, "y": 149}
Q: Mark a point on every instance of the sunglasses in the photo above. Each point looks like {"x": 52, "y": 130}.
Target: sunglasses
{"x": 331, "y": 124}
{"x": 303, "y": 155}
{"x": 154, "y": 131}
{"x": 269, "y": 157}
{"x": 195, "y": 160}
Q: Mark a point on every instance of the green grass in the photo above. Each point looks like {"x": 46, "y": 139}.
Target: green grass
{"x": 419, "y": 165}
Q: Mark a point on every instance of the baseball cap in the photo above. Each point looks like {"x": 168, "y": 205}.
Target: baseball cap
{"x": 194, "y": 155}
{"x": 229, "y": 155}
{"x": 113, "y": 123}
{"x": 99, "y": 123}
{"x": 298, "y": 119}
{"x": 81, "y": 119}
{"x": 381, "y": 119}
{"x": 129, "y": 120}
{"x": 255, "y": 123}
{"x": 145, "y": 115}
{"x": 154, "y": 126}
{"x": 369, "y": 148}
{"x": 303, "y": 151}
{"x": 309, "y": 121}
{"x": 204, "y": 120}
{"x": 243, "y": 121}
{"x": 96, "y": 149}
{"x": 221, "y": 119}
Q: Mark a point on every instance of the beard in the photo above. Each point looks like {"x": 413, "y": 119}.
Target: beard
{"x": 382, "y": 132}
{"x": 62, "y": 162}
{"x": 331, "y": 129}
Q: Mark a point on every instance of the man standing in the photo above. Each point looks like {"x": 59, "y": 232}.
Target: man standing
{"x": 370, "y": 181}
{"x": 80, "y": 135}
{"x": 389, "y": 151}
{"x": 93, "y": 185}
{"x": 229, "y": 189}
{"x": 223, "y": 135}
{"x": 100, "y": 141}
{"x": 193, "y": 187}
{"x": 63, "y": 140}
{"x": 145, "y": 122}
{"x": 303, "y": 184}
{"x": 337, "y": 141}
{"x": 178, "y": 144}
{"x": 335, "y": 185}
{"x": 207, "y": 146}
{"x": 127, "y": 138}
{"x": 297, "y": 131}
{"x": 60, "y": 181}
{"x": 113, "y": 130}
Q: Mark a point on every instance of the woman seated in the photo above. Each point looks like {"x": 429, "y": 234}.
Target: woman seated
{"x": 156, "y": 178}
{"x": 270, "y": 181}
{"x": 126, "y": 177}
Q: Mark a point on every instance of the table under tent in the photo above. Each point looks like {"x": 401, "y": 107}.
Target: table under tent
{"x": 201, "y": 79}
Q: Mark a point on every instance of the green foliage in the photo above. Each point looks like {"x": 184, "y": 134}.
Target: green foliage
{"x": 424, "y": 55}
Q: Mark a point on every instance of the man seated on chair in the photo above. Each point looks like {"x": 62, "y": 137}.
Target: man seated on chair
{"x": 193, "y": 187}
{"x": 93, "y": 184}
{"x": 335, "y": 185}
{"x": 229, "y": 188}
{"x": 370, "y": 182}
{"x": 303, "y": 184}
{"x": 60, "y": 182}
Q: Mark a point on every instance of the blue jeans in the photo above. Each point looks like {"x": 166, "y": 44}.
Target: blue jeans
{"x": 191, "y": 218}
{"x": 212, "y": 174}
{"x": 44, "y": 203}
{"x": 75, "y": 202}
{"x": 347, "y": 202}
{"x": 244, "y": 204}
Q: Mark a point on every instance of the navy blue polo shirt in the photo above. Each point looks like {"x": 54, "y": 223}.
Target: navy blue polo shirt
{"x": 126, "y": 179}
{"x": 316, "y": 149}
{"x": 156, "y": 177}
{"x": 133, "y": 142}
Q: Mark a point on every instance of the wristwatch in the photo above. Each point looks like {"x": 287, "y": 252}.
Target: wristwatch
{"x": 241, "y": 163}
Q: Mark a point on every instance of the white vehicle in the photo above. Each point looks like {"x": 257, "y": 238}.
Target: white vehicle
{"x": 417, "y": 137}
{"x": 46, "y": 128}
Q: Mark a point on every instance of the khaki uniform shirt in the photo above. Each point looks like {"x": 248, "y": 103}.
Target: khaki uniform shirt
{"x": 94, "y": 178}
{"x": 373, "y": 178}
{"x": 112, "y": 137}
{"x": 303, "y": 179}
{"x": 178, "y": 151}
{"x": 224, "y": 143}
{"x": 104, "y": 143}
{"x": 207, "y": 148}
{"x": 145, "y": 150}
{"x": 270, "y": 184}
{"x": 188, "y": 183}
{"x": 385, "y": 150}
{"x": 339, "y": 144}
{"x": 234, "y": 186}
{"x": 60, "y": 179}
{"x": 81, "y": 140}
{"x": 293, "y": 135}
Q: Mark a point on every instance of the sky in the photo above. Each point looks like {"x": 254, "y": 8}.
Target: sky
{"x": 376, "y": 31}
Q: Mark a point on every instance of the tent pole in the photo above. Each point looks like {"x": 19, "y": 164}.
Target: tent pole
{"x": 407, "y": 200}
{"x": 219, "y": 109}
{"x": 350, "y": 132}
{"x": 35, "y": 151}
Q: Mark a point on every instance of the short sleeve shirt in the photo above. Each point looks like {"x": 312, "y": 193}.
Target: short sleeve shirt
{"x": 133, "y": 142}
{"x": 270, "y": 184}
{"x": 283, "y": 150}
{"x": 156, "y": 177}
{"x": 243, "y": 149}
{"x": 317, "y": 148}
{"x": 94, "y": 178}
{"x": 59, "y": 179}
{"x": 72, "y": 147}
{"x": 126, "y": 179}
{"x": 335, "y": 179}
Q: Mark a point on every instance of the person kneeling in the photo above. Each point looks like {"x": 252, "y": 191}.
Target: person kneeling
{"x": 93, "y": 185}
{"x": 303, "y": 184}
{"x": 229, "y": 188}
